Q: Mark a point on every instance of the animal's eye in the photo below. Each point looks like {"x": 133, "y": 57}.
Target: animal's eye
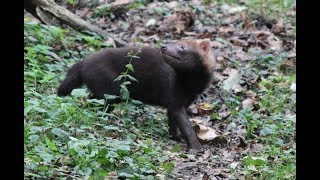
{"x": 182, "y": 47}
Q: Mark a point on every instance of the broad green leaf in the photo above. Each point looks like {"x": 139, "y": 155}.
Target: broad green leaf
{"x": 79, "y": 93}
{"x": 85, "y": 171}
{"x": 60, "y": 133}
{"x": 176, "y": 148}
{"x": 50, "y": 144}
{"x": 168, "y": 167}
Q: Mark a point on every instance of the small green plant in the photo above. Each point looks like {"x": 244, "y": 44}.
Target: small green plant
{"x": 72, "y": 2}
{"x": 138, "y": 4}
{"x": 126, "y": 79}
{"x": 103, "y": 10}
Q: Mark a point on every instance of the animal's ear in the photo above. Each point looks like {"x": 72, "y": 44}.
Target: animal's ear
{"x": 205, "y": 45}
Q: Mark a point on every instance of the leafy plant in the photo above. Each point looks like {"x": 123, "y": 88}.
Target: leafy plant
{"x": 126, "y": 81}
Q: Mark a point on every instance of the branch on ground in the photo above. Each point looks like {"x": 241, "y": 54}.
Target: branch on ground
{"x": 48, "y": 12}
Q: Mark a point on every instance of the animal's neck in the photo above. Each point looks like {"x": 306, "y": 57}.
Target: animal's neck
{"x": 194, "y": 83}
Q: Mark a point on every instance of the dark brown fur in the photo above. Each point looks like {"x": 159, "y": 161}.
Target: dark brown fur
{"x": 172, "y": 77}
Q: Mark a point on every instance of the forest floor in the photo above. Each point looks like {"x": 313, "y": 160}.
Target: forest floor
{"x": 250, "y": 104}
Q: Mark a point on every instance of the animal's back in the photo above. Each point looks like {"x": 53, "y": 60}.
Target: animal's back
{"x": 153, "y": 74}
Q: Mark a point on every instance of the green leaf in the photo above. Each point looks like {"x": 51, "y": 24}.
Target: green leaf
{"x": 42, "y": 168}
{"x": 90, "y": 147}
{"x": 136, "y": 102}
{"x": 147, "y": 171}
{"x": 85, "y": 171}
{"x": 132, "y": 136}
{"x": 215, "y": 116}
{"x": 256, "y": 161}
{"x": 135, "y": 57}
{"x": 32, "y": 174}
{"x": 108, "y": 96}
{"x": 50, "y": 144}
{"x": 79, "y": 93}
{"x": 168, "y": 167}
{"x": 100, "y": 174}
{"x": 104, "y": 161}
{"x": 39, "y": 109}
{"x": 147, "y": 149}
{"x": 126, "y": 83}
{"x": 123, "y": 174}
{"x": 33, "y": 137}
{"x": 112, "y": 128}
{"x": 60, "y": 133}
{"x": 176, "y": 148}
{"x": 132, "y": 78}
{"x": 130, "y": 67}
{"x": 118, "y": 78}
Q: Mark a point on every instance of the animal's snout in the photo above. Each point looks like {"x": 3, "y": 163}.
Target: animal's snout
{"x": 163, "y": 47}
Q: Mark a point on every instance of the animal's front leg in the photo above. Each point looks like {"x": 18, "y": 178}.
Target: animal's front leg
{"x": 173, "y": 128}
{"x": 184, "y": 125}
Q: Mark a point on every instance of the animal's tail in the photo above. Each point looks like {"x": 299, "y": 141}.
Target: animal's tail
{"x": 72, "y": 80}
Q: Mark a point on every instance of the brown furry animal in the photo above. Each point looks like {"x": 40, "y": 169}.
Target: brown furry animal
{"x": 172, "y": 77}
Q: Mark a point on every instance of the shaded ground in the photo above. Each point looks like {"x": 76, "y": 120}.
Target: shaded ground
{"x": 250, "y": 104}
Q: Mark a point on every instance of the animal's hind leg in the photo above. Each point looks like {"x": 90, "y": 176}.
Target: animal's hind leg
{"x": 98, "y": 90}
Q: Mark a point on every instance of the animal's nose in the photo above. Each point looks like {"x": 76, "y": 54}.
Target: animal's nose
{"x": 163, "y": 47}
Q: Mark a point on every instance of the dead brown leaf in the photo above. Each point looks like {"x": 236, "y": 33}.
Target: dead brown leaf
{"x": 278, "y": 27}
{"x": 84, "y": 13}
{"x": 243, "y": 56}
{"x": 226, "y": 29}
{"x": 101, "y": 21}
{"x": 205, "y": 133}
{"x": 178, "y": 21}
{"x": 237, "y": 42}
{"x": 204, "y": 108}
{"x": 216, "y": 44}
{"x": 248, "y": 102}
{"x": 261, "y": 35}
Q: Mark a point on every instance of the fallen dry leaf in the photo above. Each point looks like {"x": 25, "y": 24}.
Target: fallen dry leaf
{"x": 247, "y": 103}
{"x": 178, "y": 21}
{"x": 84, "y": 13}
{"x": 234, "y": 78}
{"x": 238, "y": 9}
{"x": 291, "y": 13}
{"x": 278, "y": 27}
{"x": 237, "y": 88}
{"x": 261, "y": 35}
{"x": 204, "y": 108}
{"x": 238, "y": 42}
{"x": 110, "y": 41}
{"x": 195, "y": 121}
{"x": 216, "y": 44}
{"x": 101, "y": 22}
{"x": 205, "y": 133}
{"x": 243, "y": 56}
{"x": 274, "y": 42}
{"x": 151, "y": 22}
{"x": 192, "y": 110}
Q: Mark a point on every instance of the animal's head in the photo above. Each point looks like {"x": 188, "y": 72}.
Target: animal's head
{"x": 189, "y": 55}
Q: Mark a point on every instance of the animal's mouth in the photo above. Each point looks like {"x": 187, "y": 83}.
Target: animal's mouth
{"x": 170, "y": 55}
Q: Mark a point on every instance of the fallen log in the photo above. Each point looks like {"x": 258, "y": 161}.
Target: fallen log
{"x": 48, "y": 12}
